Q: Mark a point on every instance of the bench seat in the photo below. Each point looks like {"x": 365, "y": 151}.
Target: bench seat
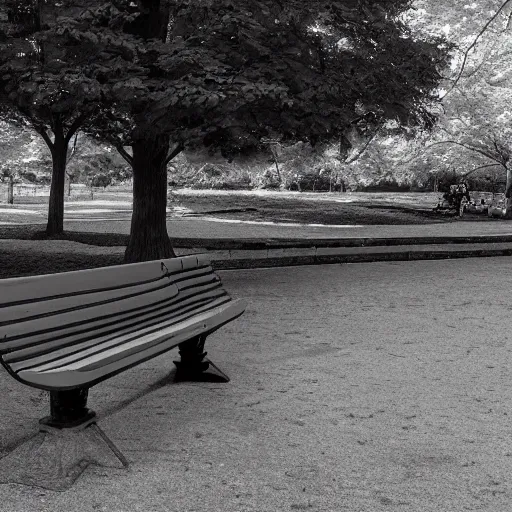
{"x": 74, "y": 329}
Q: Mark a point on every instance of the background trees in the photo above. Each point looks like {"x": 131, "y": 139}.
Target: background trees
{"x": 43, "y": 83}
{"x": 474, "y": 132}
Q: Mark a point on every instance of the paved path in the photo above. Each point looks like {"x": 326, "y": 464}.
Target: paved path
{"x": 364, "y": 388}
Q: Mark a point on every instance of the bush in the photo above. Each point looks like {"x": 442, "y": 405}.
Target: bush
{"x": 30, "y": 176}
{"x": 217, "y": 177}
{"x": 486, "y": 184}
{"x": 385, "y": 185}
{"x": 120, "y": 174}
{"x": 101, "y": 180}
{"x": 314, "y": 181}
{"x": 268, "y": 180}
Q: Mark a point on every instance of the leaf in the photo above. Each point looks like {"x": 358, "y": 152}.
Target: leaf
{"x": 212, "y": 101}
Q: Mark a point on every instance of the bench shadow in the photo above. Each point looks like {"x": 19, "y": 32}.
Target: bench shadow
{"x": 213, "y": 375}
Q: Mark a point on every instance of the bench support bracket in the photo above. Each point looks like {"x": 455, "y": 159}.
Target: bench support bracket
{"x": 68, "y": 409}
{"x": 193, "y": 365}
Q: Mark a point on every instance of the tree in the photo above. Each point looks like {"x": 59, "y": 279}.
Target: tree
{"x": 41, "y": 84}
{"x": 476, "y": 124}
{"x": 51, "y": 76}
{"x": 226, "y": 75}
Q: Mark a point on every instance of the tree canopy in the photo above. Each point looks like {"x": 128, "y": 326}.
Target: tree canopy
{"x": 226, "y": 74}
{"x": 475, "y": 127}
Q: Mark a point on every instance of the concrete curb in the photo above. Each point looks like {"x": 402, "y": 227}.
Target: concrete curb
{"x": 256, "y": 244}
{"x": 239, "y": 259}
{"x": 326, "y": 252}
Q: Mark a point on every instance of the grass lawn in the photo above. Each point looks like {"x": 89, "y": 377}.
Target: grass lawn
{"x": 17, "y": 263}
{"x": 310, "y": 208}
{"x": 401, "y": 208}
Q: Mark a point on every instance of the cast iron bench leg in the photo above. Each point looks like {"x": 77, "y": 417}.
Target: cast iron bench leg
{"x": 192, "y": 364}
{"x": 68, "y": 409}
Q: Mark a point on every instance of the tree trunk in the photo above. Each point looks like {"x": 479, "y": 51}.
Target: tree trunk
{"x": 55, "y": 223}
{"x": 274, "y": 156}
{"x": 508, "y": 194}
{"x": 148, "y": 235}
{"x": 10, "y": 190}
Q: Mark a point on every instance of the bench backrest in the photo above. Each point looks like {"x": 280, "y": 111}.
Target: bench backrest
{"x": 39, "y": 314}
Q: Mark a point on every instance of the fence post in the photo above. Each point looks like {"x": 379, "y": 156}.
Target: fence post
{"x": 10, "y": 190}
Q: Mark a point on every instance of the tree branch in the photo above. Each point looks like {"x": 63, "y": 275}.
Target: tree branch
{"x": 363, "y": 149}
{"x": 58, "y": 130}
{"x": 476, "y": 150}
{"x": 75, "y": 126}
{"x": 475, "y": 41}
{"x": 509, "y": 22}
{"x": 73, "y": 149}
{"x": 481, "y": 167}
{"x": 124, "y": 154}
{"x": 42, "y": 131}
{"x": 485, "y": 60}
{"x": 176, "y": 151}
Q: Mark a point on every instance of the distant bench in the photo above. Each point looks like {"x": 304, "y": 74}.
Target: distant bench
{"x": 69, "y": 331}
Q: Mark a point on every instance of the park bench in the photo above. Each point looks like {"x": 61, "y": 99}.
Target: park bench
{"x": 66, "y": 332}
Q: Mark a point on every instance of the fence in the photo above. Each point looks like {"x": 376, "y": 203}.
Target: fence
{"x": 28, "y": 193}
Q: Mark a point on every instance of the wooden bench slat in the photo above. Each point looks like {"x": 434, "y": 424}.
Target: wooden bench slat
{"x": 146, "y": 349}
{"x": 118, "y": 343}
{"x": 44, "y": 344}
{"x": 26, "y": 312}
{"x": 87, "y": 315}
{"x": 81, "y": 317}
{"x": 80, "y": 282}
{"x": 195, "y": 324}
{"x": 185, "y": 284}
{"x": 197, "y": 260}
{"x": 56, "y": 306}
{"x": 41, "y": 354}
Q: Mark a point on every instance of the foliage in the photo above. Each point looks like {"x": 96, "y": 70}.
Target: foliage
{"x": 88, "y": 158}
{"x": 229, "y": 74}
{"x": 43, "y": 80}
{"x": 22, "y": 153}
{"x": 475, "y": 130}
{"x": 101, "y": 180}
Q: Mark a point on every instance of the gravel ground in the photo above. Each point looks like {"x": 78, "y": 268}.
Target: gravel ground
{"x": 375, "y": 387}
